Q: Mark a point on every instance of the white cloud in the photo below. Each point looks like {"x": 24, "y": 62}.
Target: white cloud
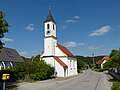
{"x": 34, "y": 51}
{"x": 101, "y": 31}
{"x": 30, "y": 27}
{"x": 81, "y": 44}
{"x": 76, "y": 17}
{"x": 93, "y": 48}
{"x": 73, "y": 20}
{"x": 64, "y": 27}
{"x": 70, "y": 21}
{"x": 7, "y": 40}
{"x": 71, "y": 44}
{"x": 22, "y": 53}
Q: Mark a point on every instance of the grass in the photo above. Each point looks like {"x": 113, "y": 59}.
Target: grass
{"x": 9, "y": 88}
{"x": 116, "y": 85}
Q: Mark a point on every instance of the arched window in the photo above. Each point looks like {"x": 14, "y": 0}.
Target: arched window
{"x": 70, "y": 64}
{"x": 53, "y": 27}
{"x": 48, "y": 26}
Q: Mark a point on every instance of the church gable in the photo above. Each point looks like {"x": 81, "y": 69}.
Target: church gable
{"x": 65, "y": 51}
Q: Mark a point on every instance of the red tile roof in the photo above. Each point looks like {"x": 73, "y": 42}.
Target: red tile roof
{"x": 104, "y": 58}
{"x": 60, "y": 62}
{"x": 65, "y": 50}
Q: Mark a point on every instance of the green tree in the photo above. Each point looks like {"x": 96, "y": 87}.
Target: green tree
{"x": 3, "y": 27}
{"x": 114, "y": 61}
{"x": 113, "y": 52}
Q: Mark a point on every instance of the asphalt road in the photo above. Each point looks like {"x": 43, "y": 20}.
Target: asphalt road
{"x": 89, "y": 80}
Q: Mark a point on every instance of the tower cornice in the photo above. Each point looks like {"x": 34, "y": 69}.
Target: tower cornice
{"x": 50, "y": 37}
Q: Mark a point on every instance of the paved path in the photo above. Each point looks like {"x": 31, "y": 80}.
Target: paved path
{"x": 89, "y": 80}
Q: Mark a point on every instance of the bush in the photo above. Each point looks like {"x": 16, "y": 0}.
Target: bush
{"x": 43, "y": 71}
{"x": 99, "y": 70}
{"x": 116, "y": 86}
{"x": 36, "y": 70}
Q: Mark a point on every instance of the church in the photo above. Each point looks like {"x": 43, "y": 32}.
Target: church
{"x": 56, "y": 55}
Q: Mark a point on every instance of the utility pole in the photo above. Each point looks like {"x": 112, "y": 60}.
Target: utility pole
{"x": 93, "y": 58}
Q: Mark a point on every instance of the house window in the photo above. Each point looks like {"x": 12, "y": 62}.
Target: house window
{"x": 48, "y": 26}
{"x": 7, "y": 64}
{"x": 3, "y": 66}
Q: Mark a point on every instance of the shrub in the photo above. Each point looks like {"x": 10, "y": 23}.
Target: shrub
{"x": 116, "y": 86}
{"x": 99, "y": 70}
{"x": 36, "y": 70}
{"x": 43, "y": 71}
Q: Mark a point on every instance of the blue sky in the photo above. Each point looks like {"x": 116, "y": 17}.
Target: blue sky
{"x": 83, "y": 26}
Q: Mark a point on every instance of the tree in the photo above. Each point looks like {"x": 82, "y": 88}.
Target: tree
{"x": 113, "y": 52}
{"x": 3, "y": 27}
{"x": 114, "y": 61}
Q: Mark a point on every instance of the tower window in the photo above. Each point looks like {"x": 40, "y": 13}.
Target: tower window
{"x": 48, "y": 26}
{"x": 53, "y": 27}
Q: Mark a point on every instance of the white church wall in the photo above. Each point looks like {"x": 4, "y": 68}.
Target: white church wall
{"x": 49, "y": 46}
{"x": 72, "y": 68}
{"x": 49, "y": 60}
{"x": 103, "y": 63}
{"x": 59, "y": 69}
{"x": 58, "y": 52}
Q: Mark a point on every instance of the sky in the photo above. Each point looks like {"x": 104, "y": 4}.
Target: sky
{"x": 83, "y": 26}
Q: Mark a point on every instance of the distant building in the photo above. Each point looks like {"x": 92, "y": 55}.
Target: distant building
{"x": 102, "y": 61}
{"x": 58, "y": 56}
{"x": 8, "y": 56}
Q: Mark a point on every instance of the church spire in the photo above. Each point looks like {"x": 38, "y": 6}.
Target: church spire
{"x": 49, "y": 17}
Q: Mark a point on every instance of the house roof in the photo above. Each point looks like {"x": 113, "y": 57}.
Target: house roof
{"x": 60, "y": 62}
{"x": 8, "y": 54}
{"x": 49, "y": 17}
{"x": 104, "y": 58}
{"x": 28, "y": 59}
{"x": 65, "y": 50}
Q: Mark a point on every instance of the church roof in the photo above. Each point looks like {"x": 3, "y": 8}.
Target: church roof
{"x": 8, "y": 54}
{"x": 65, "y": 50}
{"x": 49, "y": 17}
{"x": 60, "y": 62}
{"x": 101, "y": 61}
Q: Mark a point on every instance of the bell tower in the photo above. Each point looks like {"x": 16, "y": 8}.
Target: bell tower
{"x": 50, "y": 40}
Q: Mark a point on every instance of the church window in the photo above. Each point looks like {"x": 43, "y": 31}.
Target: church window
{"x": 74, "y": 64}
{"x": 48, "y": 26}
{"x": 53, "y": 27}
{"x": 70, "y": 65}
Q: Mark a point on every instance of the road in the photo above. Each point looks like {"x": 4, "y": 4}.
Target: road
{"x": 89, "y": 80}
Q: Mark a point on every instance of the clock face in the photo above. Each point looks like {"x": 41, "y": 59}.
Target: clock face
{"x": 48, "y": 32}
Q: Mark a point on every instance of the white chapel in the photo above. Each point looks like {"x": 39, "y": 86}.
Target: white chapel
{"x": 56, "y": 55}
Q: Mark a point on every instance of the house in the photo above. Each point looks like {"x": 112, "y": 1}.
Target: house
{"x": 102, "y": 61}
{"x": 56, "y": 55}
{"x": 7, "y": 57}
